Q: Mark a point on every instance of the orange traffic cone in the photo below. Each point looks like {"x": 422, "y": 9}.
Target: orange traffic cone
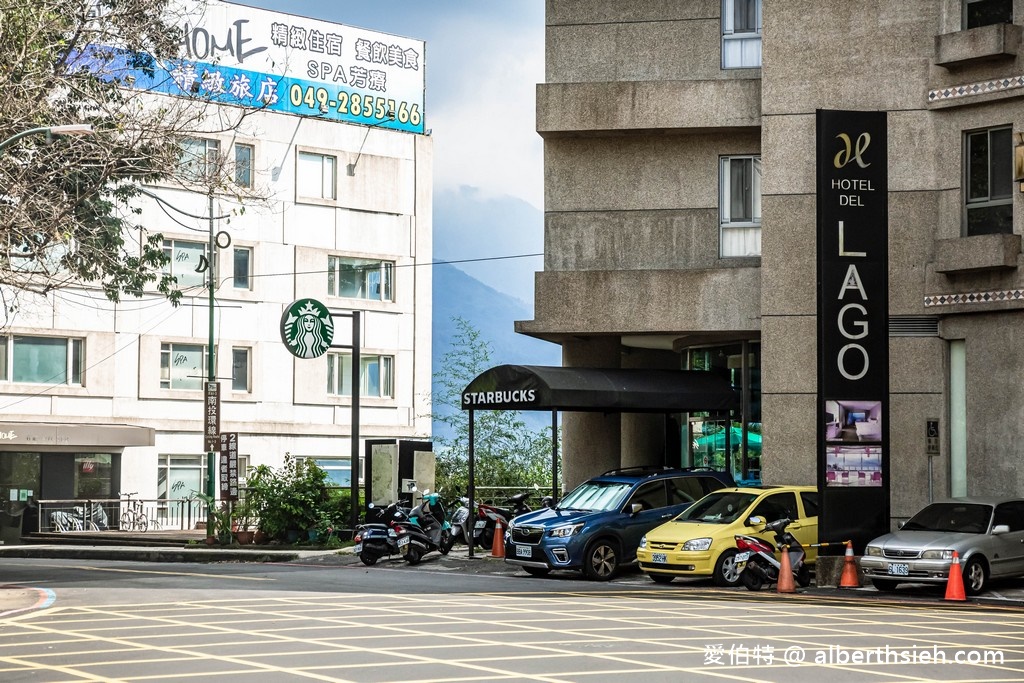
{"x": 849, "y": 578}
{"x": 785, "y": 584}
{"x": 955, "y": 583}
{"x": 498, "y": 546}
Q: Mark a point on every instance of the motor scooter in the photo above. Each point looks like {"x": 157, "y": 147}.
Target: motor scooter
{"x": 756, "y": 561}
{"x": 489, "y": 515}
{"x": 460, "y": 523}
{"x": 374, "y": 540}
{"x": 426, "y": 529}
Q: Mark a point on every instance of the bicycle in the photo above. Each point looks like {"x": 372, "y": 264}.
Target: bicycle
{"x": 133, "y": 518}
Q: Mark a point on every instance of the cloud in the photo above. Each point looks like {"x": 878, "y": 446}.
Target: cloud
{"x": 484, "y": 118}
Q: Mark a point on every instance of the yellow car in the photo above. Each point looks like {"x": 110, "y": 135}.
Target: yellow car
{"x": 701, "y": 540}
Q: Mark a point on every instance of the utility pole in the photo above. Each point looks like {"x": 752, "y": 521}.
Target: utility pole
{"x": 211, "y": 375}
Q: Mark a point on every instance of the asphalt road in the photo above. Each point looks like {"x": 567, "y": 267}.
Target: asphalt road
{"x": 328, "y": 618}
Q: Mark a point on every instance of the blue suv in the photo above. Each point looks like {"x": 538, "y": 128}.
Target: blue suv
{"x": 596, "y": 528}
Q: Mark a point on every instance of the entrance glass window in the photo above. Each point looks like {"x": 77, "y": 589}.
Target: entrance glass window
{"x": 716, "y": 440}
{"x": 92, "y": 476}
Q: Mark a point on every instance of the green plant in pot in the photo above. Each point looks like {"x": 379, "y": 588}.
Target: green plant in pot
{"x": 221, "y": 516}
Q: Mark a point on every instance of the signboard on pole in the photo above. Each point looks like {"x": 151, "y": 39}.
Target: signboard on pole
{"x": 307, "y": 328}
{"x": 211, "y": 417}
{"x": 228, "y": 470}
{"x": 853, "y": 335}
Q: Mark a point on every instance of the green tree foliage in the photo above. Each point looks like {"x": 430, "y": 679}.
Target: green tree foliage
{"x": 69, "y": 206}
{"x": 507, "y": 452}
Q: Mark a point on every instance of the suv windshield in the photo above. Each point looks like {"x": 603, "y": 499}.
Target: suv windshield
{"x": 718, "y": 508}
{"x": 954, "y": 517}
{"x": 596, "y": 495}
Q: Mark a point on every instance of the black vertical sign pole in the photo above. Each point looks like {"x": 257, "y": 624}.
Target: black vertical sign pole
{"x": 354, "y": 457}
{"x": 853, "y": 335}
{"x": 554, "y": 455}
{"x": 472, "y": 508}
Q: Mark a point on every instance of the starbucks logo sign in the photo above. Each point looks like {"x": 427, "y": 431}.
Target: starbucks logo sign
{"x": 307, "y": 328}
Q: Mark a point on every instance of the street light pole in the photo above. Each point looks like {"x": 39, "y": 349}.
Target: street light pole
{"x": 49, "y": 131}
{"x": 211, "y": 375}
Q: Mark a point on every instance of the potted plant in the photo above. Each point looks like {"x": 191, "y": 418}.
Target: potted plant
{"x": 243, "y": 522}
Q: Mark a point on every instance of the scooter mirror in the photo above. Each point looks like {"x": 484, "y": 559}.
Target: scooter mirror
{"x": 755, "y": 520}
{"x": 370, "y": 505}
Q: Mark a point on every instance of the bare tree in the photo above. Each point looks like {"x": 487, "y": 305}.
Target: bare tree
{"x": 68, "y": 206}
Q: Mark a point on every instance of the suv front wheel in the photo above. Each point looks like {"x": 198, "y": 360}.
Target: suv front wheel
{"x": 601, "y": 560}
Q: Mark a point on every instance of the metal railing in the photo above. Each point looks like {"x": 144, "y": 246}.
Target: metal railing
{"x": 119, "y": 514}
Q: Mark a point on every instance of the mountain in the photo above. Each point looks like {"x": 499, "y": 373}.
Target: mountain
{"x": 493, "y": 314}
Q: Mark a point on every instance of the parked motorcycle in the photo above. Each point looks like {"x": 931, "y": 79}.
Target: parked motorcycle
{"x": 374, "y": 540}
{"x": 488, "y": 517}
{"x": 757, "y": 563}
{"x": 460, "y": 523}
{"x": 426, "y": 530}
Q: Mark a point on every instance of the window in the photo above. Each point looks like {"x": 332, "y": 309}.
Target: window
{"x": 240, "y": 373}
{"x": 182, "y": 261}
{"x": 360, "y": 278}
{"x": 339, "y": 470}
{"x": 42, "y": 360}
{"x": 199, "y": 159}
{"x": 810, "y": 501}
{"x": 984, "y": 12}
{"x": 740, "y": 206}
{"x": 182, "y": 366}
{"x": 241, "y": 268}
{"x": 376, "y": 375}
{"x": 315, "y": 176}
{"x": 741, "y": 34}
{"x": 776, "y": 506}
{"x": 243, "y": 165}
{"x": 650, "y": 496}
{"x": 988, "y": 179}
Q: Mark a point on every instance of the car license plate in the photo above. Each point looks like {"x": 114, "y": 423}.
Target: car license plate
{"x": 358, "y": 548}
{"x": 659, "y": 558}
{"x": 899, "y": 569}
{"x": 404, "y": 541}
{"x": 743, "y": 557}
{"x": 524, "y": 551}
{"x": 480, "y": 524}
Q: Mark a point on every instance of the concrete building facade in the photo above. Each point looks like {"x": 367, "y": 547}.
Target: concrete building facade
{"x": 102, "y": 398}
{"x": 666, "y": 247}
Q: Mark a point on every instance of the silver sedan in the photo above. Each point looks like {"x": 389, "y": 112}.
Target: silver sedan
{"x": 987, "y": 535}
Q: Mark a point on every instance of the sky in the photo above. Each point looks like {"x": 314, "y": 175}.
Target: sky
{"x": 484, "y": 60}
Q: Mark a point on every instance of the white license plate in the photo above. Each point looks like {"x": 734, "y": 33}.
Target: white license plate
{"x": 659, "y": 558}
{"x": 898, "y": 569}
{"x": 743, "y": 557}
{"x": 524, "y": 551}
{"x": 404, "y": 541}
{"x": 480, "y": 524}
{"x": 358, "y": 548}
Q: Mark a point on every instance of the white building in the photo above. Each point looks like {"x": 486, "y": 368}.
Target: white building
{"x": 99, "y": 398}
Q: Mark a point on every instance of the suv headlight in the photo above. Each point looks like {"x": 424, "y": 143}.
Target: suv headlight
{"x": 937, "y": 555}
{"x": 567, "y": 530}
{"x": 873, "y": 551}
{"x": 697, "y": 544}
{"x": 643, "y": 541}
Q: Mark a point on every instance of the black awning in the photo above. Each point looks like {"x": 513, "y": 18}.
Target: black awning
{"x": 539, "y": 387}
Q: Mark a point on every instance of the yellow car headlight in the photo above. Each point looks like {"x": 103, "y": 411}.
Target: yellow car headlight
{"x": 643, "y": 541}
{"x": 697, "y": 544}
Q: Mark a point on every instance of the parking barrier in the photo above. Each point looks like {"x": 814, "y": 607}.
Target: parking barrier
{"x": 955, "y": 582}
{"x": 498, "y": 545}
{"x": 785, "y": 584}
{"x": 849, "y": 578}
